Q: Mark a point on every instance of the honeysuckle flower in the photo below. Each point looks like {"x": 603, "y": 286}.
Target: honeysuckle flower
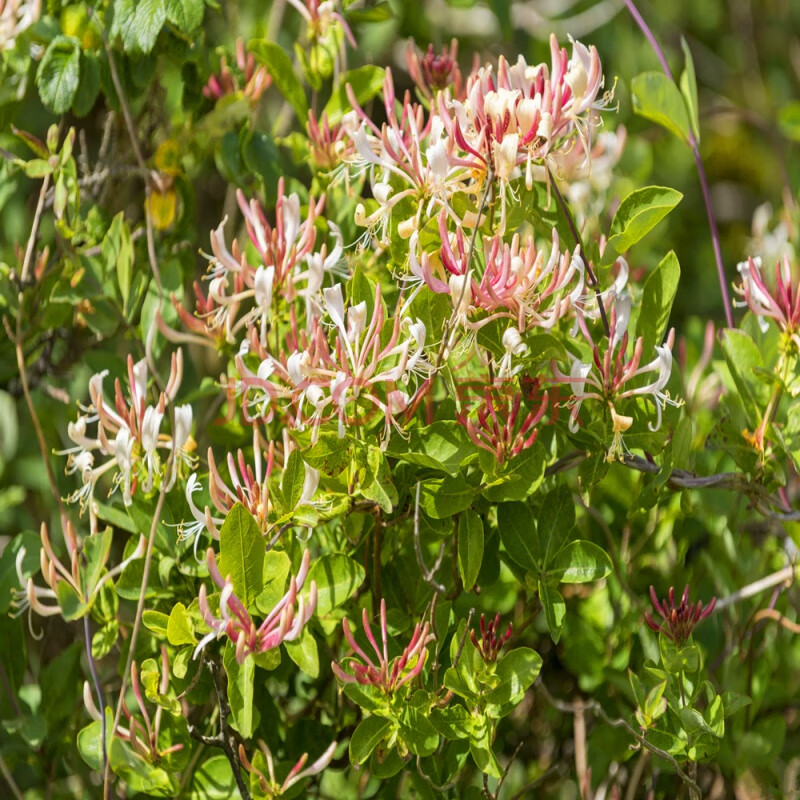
{"x": 491, "y": 642}
{"x": 330, "y": 144}
{"x": 613, "y": 376}
{"x": 388, "y": 676}
{"x": 781, "y": 305}
{"x": 269, "y": 785}
{"x": 143, "y": 736}
{"x": 514, "y": 119}
{"x": 254, "y": 80}
{"x": 433, "y": 72}
{"x": 129, "y": 441}
{"x": 501, "y": 426}
{"x": 771, "y": 244}
{"x": 85, "y": 587}
{"x": 363, "y": 372}
{"x": 283, "y": 624}
{"x": 677, "y": 622}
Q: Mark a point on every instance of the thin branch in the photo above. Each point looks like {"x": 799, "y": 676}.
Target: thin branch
{"x": 10, "y": 779}
{"x": 101, "y": 702}
{"x": 595, "y": 708}
{"x": 773, "y": 614}
{"x": 593, "y": 282}
{"x": 785, "y": 575}
{"x": 148, "y": 560}
{"x": 712, "y": 219}
{"x": 37, "y": 217}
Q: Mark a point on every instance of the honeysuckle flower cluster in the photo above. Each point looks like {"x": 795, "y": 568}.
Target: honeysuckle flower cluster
{"x": 284, "y": 623}
{"x": 383, "y": 673}
{"x": 247, "y": 484}
{"x": 82, "y": 585}
{"x": 269, "y": 784}
{"x": 492, "y": 641}
{"x": 677, "y": 621}
{"x": 782, "y": 305}
{"x": 128, "y": 435}
{"x": 254, "y": 80}
{"x": 433, "y": 72}
{"x": 366, "y": 370}
{"x": 502, "y": 426}
{"x": 613, "y": 375}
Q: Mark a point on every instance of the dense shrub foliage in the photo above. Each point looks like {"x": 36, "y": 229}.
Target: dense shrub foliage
{"x": 389, "y": 486}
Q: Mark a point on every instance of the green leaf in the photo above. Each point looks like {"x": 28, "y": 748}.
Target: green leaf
{"x": 580, "y": 562}
{"x": 337, "y": 577}
{"x": 418, "y": 733}
{"x": 89, "y": 85}
{"x": 304, "y": 653}
{"x": 179, "y": 626}
{"x": 117, "y": 250}
{"x": 452, "y": 722}
{"x": 556, "y": 521}
{"x": 519, "y": 477}
{"x": 59, "y": 73}
{"x": 657, "y": 298}
{"x": 240, "y": 691}
{"x": 689, "y": 90}
{"x": 279, "y": 65}
{"x": 554, "y": 609}
{"x": 104, "y": 639}
{"x": 636, "y": 216}
{"x": 517, "y": 670}
{"x": 275, "y": 573}
{"x": 517, "y": 530}
{"x": 329, "y": 454}
{"x": 366, "y": 737}
{"x": 365, "y": 82}
{"x": 185, "y": 15}
{"x": 657, "y": 98}
{"x": 156, "y": 622}
{"x": 293, "y": 479}
{"x": 442, "y": 446}
{"x": 789, "y": 120}
{"x": 470, "y": 547}
{"x": 213, "y": 780}
{"x": 446, "y": 497}
{"x": 138, "y": 23}
{"x": 241, "y": 550}
{"x": 743, "y": 357}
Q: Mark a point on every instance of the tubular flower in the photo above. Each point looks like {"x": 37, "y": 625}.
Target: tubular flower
{"x": 490, "y": 643}
{"x": 81, "y": 583}
{"x": 248, "y": 485}
{"x": 386, "y": 675}
{"x": 609, "y": 377}
{"x": 500, "y": 428}
{"x": 327, "y": 28}
{"x": 330, "y": 144}
{"x": 241, "y": 297}
{"x": 142, "y": 735}
{"x": 516, "y": 281}
{"x": 782, "y": 305}
{"x": 128, "y": 435}
{"x": 520, "y": 115}
{"x": 283, "y": 624}
{"x": 365, "y": 371}
{"x": 256, "y": 79}
{"x": 433, "y": 72}
{"x": 268, "y": 784}
{"x": 409, "y": 158}
{"x": 677, "y": 622}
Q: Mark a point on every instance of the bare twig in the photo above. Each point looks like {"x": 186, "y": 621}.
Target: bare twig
{"x": 595, "y": 708}
{"x": 712, "y": 219}
{"x": 773, "y": 614}
{"x": 786, "y": 575}
{"x": 579, "y": 241}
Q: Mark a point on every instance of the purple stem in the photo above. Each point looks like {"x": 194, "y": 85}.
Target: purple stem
{"x": 712, "y": 220}
{"x": 97, "y": 687}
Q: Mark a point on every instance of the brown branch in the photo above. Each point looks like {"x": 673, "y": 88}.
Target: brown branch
{"x": 595, "y": 708}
